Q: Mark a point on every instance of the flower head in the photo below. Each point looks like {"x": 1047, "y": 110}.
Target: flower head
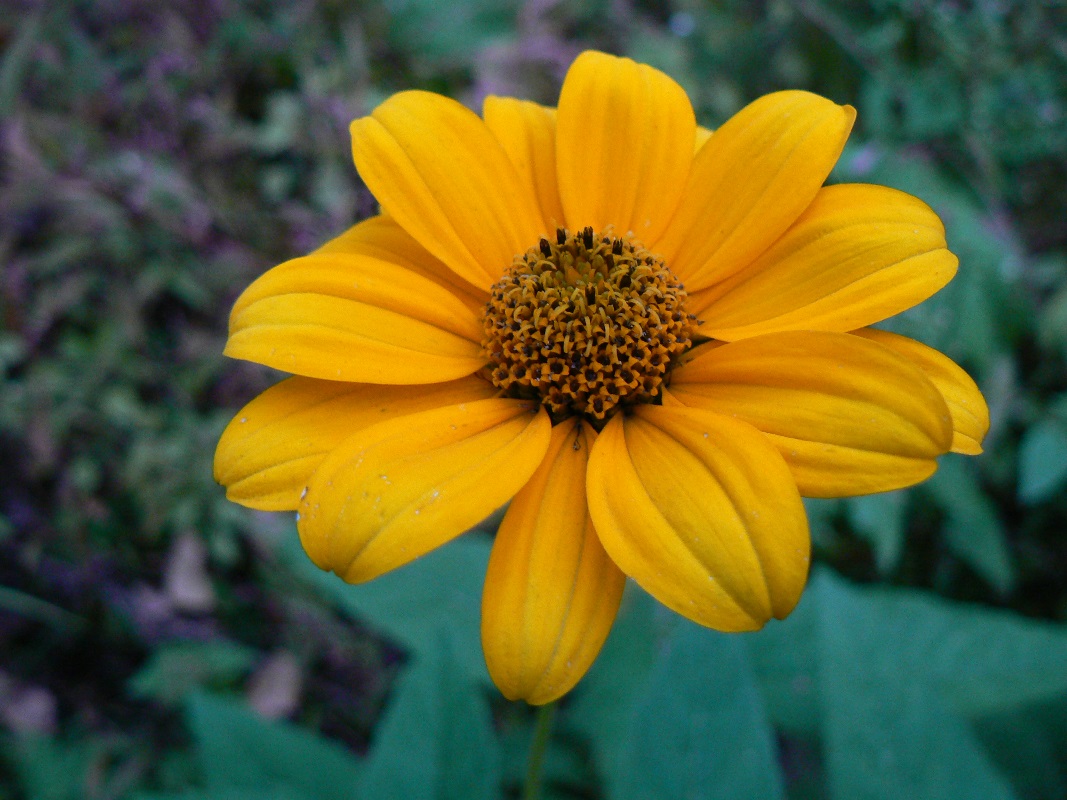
{"x": 650, "y": 338}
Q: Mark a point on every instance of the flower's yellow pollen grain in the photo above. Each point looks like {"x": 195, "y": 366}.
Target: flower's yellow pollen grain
{"x": 585, "y": 324}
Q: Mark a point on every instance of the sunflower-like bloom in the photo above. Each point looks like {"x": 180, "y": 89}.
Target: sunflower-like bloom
{"x": 650, "y": 338}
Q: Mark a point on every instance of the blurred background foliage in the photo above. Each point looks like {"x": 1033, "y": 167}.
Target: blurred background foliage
{"x": 160, "y": 642}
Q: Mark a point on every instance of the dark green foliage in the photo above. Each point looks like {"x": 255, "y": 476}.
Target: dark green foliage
{"x": 156, "y": 157}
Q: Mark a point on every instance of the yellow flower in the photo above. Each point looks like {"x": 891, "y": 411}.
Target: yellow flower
{"x": 650, "y": 338}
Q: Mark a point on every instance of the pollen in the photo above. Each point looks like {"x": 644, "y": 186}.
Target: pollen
{"x": 586, "y": 324}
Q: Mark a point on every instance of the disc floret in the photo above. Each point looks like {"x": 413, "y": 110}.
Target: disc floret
{"x": 585, "y": 324}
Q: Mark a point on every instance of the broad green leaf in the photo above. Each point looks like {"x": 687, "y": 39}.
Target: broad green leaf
{"x": 50, "y": 769}
{"x": 698, "y": 729}
{"x": 238, "y": 749}
{"x": 438, "y": 593}
{"x": 259, "y": 793}
{"x": 1042, "y": 460}
{"x": 1030, "y": 746}
{"x": 948, "y": 644}
{"x": 604, "y": 697}
{"x": 981, "y": 660}
{"x": 420, "y": 27}
{"x": 436, "y": 739}
{"x": 888, "y": 733}
{"x": 972, "y": 529}
{"x": 784, "y": 659}
{"x": 177, "y": 668}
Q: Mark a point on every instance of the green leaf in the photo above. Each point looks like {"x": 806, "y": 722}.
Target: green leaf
{"x": 177, "y": 668}
{"x": 258, "y": 793}
{"x": 888, "y": 732}
{"x": 1052, "y": 321}
{"x": 879, "y": 518}
{"x": 438, "y": 593}
{"x": 50, "y": 769}
{"x": 436, "y": 739}
{"x": 784, "y": 659}
{"x": 1030, "y": 746}
{"x": 605, "y": 696}
{"x": 699, "y": 728}
{"x": 972, "y": 529}
{"x": 947, "y": 644}
{"x": 982, "y": 661}
{"x": 1042, "y": 460}
{"x": 420, "y": 27}
{"x": 238, "y": 749}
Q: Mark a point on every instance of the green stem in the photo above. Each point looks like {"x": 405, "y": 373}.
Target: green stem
{"x": 532, "y": 788}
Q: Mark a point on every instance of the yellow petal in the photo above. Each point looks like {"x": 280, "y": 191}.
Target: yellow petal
{"x": 527, "y": 132}
{"x": 355, "y": 318}
{"x": 702, "y": 512}
{"x": 703, "y": 134}
{"x": 750, "y": 181}
{"x": 398, "y": 489}
{"x": 625, "y": 138}
{"x": 268, "y": 452}
{"x": 437, "y": 169}
{"x": 857, "y": 255}
{"x": 850, "y": 416}
{"x": 970, "y": 414}
{"x": 551, "y": 592}
{"x": 382, "y": 238}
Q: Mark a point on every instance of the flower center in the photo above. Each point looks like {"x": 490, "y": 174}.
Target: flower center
{"x": 585, "y": 324}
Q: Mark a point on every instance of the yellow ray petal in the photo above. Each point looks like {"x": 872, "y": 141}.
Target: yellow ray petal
{"x": 551, "y": 592}
{"x": 527, "y": 132}
{"x": 857, "y": 255}
{"x": 355, "y": 318}
{"x": 382, "y": 238}
{"x": 849, "y": 415}
{"x": 268, "y": 452}
{"x": 398, "y": 489}
{"x": 625, "y": 136}
{"x": 702, "y": 512}
{"x": 970, "y": 414}
{"x": 437, "y": 169}
{"x": 750, "y": 182}
{"x": 703, "y": 134}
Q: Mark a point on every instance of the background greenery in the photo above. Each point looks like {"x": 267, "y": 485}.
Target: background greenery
{"x": 159, "y": 642}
